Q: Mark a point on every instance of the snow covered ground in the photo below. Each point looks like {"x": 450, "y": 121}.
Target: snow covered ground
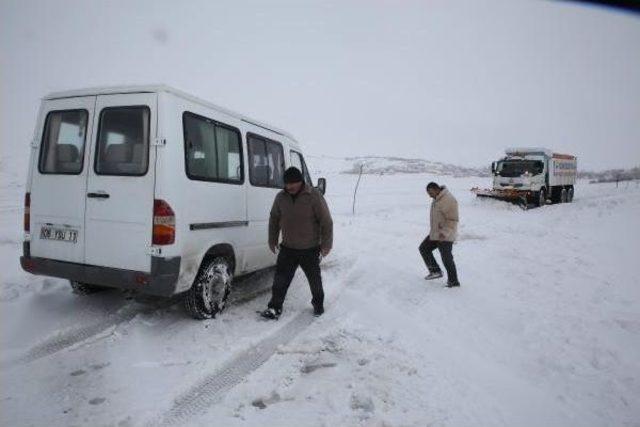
{"x": 545, "y": 329}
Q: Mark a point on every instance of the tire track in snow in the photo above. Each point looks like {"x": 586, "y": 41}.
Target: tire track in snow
{"x": 73, "y": 336}
{"x": 70, "y": 337}
{"x": 212, "y": 388}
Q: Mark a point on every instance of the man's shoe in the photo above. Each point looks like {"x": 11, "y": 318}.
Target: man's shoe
{"x": 317, "y": 311}
{"x": 433, "y": 275}
{"x": 453, "y": 285}
{"x": 271, "y": 313}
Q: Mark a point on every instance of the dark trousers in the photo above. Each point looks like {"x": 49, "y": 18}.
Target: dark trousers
{"x": 288, "y": 262}
{"x": 445, "y": 248}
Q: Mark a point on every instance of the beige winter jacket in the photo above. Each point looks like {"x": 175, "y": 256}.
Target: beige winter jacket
{"x": 305, "y": 220}
{"x": 444, "y": 217}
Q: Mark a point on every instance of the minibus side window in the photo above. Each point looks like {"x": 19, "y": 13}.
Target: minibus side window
{"x": 275, "y": 157}
{"x": 266, "y": 162}
{"x": 213, "y": 151}
{"x": 228, "y": 149}
{"x": 123, "y": 141}
{"x": 63, "y": 141}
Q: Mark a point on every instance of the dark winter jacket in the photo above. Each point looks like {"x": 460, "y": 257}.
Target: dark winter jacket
{"x": 304, "y": 219}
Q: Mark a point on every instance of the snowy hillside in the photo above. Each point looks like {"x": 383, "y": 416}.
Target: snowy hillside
{"x": 378, "y": 165}
{"x": 545, "y": 330}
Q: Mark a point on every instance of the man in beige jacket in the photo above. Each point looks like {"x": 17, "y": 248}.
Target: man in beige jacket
{"x": 444, "y": 229}
{"x": 302, "y": 215}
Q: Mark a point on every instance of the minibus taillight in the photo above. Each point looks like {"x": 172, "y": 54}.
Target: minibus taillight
{"x": 27, "y": 212}
{"x": 164, "y": 223}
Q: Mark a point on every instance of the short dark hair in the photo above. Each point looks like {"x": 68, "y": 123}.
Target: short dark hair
{"x": 433, "y": 186}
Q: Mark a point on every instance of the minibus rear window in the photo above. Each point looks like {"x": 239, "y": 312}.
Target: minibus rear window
{"x": 123, "y": 141}
{"x": 63, "y": 140}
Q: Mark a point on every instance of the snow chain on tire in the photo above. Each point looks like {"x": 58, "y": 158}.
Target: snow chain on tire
{"x": 80, "y": 288}
{"x": 210, "y": 291}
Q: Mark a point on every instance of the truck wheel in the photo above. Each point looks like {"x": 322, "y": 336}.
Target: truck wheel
{"x": 80, "y": 288}
{"x": 563, "y": 196}
{"x": 208, "y": 295}
{"x": 570, "y": 195}
{"x": 542, "y": 198}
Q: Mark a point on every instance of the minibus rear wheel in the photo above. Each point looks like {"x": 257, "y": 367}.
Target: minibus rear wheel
{"x": 210, "y": 291}
{"x": 80, "y": 288}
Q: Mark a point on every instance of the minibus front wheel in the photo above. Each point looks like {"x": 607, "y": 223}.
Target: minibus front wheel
{"x": 210, "y": 291}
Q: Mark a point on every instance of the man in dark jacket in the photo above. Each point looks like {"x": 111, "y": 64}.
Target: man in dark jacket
{"x": 302, "y": 214}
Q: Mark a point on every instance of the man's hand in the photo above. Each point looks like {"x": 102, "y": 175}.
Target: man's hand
{"x": 274, "y": 248}
{"x": 441, "y": 236}
{"x": 324, "y": 252}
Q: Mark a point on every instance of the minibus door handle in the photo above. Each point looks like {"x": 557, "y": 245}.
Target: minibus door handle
{"x": 98, "y": 195}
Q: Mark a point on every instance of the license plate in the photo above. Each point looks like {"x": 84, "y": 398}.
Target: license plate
{"x": 48, "y": 232}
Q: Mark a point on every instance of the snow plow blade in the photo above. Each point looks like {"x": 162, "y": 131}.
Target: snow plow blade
{"x": 514, "y": 196}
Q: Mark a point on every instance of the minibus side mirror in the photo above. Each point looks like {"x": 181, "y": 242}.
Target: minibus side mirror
{"x": 322, "y": 185}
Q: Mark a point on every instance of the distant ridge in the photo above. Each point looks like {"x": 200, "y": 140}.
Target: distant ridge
{"x": 389, "y": 165}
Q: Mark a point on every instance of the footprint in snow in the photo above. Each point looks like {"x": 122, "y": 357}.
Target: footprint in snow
{"x": 97, "y": 400}
{"x": 363, "y": 403}
{"x": 307, "y": 369}
{"x": 95, "y": 367}
{"x": 262, "y": 403}
{"x": 99, "y": 366}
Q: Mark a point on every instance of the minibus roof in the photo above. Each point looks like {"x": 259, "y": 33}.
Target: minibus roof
{"x": 113, "y": 90}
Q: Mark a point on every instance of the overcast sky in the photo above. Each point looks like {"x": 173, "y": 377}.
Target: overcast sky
{"x": 452, "y": 81}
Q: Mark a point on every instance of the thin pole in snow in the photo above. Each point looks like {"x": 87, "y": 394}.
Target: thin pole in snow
{"x": 355, "y": 192}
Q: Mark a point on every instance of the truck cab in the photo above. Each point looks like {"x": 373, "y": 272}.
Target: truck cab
{"x": 515, "y": 172}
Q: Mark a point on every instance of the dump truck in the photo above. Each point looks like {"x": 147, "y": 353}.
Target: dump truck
{"x": 532, "y": 177}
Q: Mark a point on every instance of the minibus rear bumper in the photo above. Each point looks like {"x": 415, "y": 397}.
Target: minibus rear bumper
{"x": 161, "y": 280}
